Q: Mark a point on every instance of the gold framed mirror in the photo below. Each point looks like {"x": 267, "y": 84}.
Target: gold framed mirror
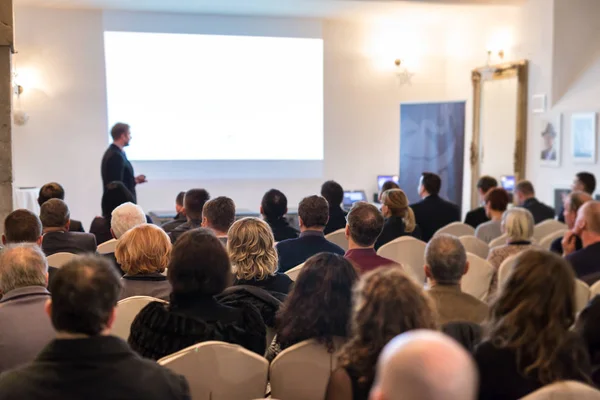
{"x": 498, "y": 146}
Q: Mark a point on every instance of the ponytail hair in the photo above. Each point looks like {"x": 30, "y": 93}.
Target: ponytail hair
{"x": 397, "y": 202}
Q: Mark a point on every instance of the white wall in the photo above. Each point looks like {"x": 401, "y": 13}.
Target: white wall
{"x": 66, "y": 135}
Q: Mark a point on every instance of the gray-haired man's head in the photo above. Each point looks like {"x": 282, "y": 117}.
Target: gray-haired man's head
{"x": 22, "y": 265}
{"x": 445, "y": 259}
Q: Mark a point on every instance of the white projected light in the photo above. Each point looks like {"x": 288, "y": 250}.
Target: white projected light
{"x": 209, "y": 97}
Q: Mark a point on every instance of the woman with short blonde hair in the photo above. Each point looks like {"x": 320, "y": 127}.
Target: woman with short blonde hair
{"x": 399, "y": 217}
{"x": 251, "y": 248}
{"x": 144, "y": 253}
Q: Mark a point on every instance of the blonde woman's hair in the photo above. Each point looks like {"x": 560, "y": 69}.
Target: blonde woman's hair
{"x": 251, "y": 248}
{"x": 518, "y": 224}
{"x": 397, "y": 202}
{"x": 143, "y": 249}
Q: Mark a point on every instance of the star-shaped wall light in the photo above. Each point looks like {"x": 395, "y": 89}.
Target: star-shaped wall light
{"x": 403, "y": 75}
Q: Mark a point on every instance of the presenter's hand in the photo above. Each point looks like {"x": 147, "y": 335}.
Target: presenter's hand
{"x": 140, "y": 179}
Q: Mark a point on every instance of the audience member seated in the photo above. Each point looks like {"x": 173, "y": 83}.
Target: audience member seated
{"x": 55, "y": 218}
{"x": 496, "y": 202}
{"x": 85, "y": 361}
{"x": 180, "y": 217}
{"x": 218, "y": 215}
{"x": 583, "y": 182}
{"x": 143, "y": 253}
{"x": 115, "y": 194}
{"x": 517, "y": 224}
{"x": 365, "y": 224}
{"x": 124, "y": 218}
{"x": 527, "y": 343}
{"x": 585, "y": 262}
{"x": 54, "y": 190}
{"x": 399, "y": 218}
{"x": 433, "y": 212}
{"x": 318, "y": 306}
{"x": 479, "y": 215}
{"x": 525, "y": 197}
{"x": 193, "y": 201}
{"x": 334, "y": 194}
{"x": 22, "y": 226}
{"x": 313, "y": 213}
{"x": 588, "y": 327}
{"x": 448, "y": 370}
{"x": 386, "y": 303}
{"x": 273, "y": 209}
{"x": 387, "y": 185}
{"x": 24, "y": 327}
{"x": 446, "y": 263}
{"x": 571, "y": 205}
{"x": 199, "y": 270}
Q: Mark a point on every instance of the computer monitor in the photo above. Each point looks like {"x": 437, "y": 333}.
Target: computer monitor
{"x": 381, "y": 179}
{"x": 352, "y": 196}
{"x": 507, "y": 182}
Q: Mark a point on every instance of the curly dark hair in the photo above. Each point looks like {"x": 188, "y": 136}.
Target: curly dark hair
{"x": 320, "y": 303}
{"x": 386, "y": 303}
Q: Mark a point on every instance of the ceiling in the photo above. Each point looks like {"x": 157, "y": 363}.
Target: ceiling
{"x": 297, "y": 8}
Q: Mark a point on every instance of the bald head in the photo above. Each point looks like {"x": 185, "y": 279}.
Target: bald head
{"x": 588, "y": 218}
{"x": 424, "y": 365}
{"x": 22, "y": 265}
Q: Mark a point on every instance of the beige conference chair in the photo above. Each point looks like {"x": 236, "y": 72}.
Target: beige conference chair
{"x": 294, "y": 272}
{"x": 338, "y": 237}
{"x": 582, "y": 295}
{"x": 475, "y": 245}
{"x": 127, "y": 310}
{"x": 220, "y": 371}
{"x": 107, "y": 247}
{"x": 565, "y": 390}
{"x": 457, "y": 229}
{"x": 595, "y": 290}
{"x": 302, "y": 371}
{"x": 409, "y": 252}
{"x": 499, "y": 241}
{"x": 57, "y": 260}
{"x": 547, "y": 227}
{"x": 505, "y": 268}
{"x": 547, "y": 240}
{"x": 476, "y": 281}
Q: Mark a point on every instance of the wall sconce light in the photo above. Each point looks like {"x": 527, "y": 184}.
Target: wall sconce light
{"x": 17, "y": 89}
{"x": 403, "y": 75}
{"x": 500, "y": 55}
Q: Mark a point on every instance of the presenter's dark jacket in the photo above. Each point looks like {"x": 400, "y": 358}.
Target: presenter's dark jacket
{"x": 539, "y": 210}
{"x": 94, "y": 368}
{"x": 433, "y": 213}
{"x": 293, "y": 252}
{"x": 337, "y": 219}
{"x": 476, "y": 217}
{"x": 116, "y": 167}
{"x": 282, "y": 229}
{"x": 393, "y": 228}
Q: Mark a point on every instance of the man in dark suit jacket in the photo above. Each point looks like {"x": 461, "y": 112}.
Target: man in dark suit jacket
{"x": 334, "y": 194}
{"x": 273, "y": 208}
{"x": 85, "y": 361}
{"x": 54, "y": 215}
{"x": 218, "y": 215}
{"x": 313, "y": 213}
{"x": 478, "y": 216}
{"x": 583, "y": 182}
{"x": 525, "y": 197}
{"x": 587, "y": 227}
{"x": 433, "y": 212}
{"x": 193, "y": 202}
{"x": 115, "y": 165}
{"x": 180, "y": 217}
{"x": 54, "y": 190}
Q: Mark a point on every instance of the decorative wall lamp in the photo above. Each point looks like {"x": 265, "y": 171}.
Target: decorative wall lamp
{"x": 403, "y": 75}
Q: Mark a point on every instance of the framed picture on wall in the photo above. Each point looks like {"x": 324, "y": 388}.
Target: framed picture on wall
{"x": 583, "y": 137}
{"x": 551, "y": 141}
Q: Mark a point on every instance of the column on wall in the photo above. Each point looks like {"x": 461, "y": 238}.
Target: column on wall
{"x": 6, "y": 49}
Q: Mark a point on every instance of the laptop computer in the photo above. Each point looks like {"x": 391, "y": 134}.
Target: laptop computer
{"x": 352, "y": 196}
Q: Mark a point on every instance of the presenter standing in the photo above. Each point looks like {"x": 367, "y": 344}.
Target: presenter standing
{"x": 115, "y": 165}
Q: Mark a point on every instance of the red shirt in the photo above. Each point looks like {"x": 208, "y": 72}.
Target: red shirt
{"x": 368, "y": 260}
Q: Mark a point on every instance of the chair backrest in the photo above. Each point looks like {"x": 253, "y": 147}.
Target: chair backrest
{"x": 499, "y": 241}
{"x": 505, "y": 268}
{"x": 302, "y": 371}
{"x": 476, "y": 281}
{"x": 547, "y": 227}
{"x": 294, "y": 272}
{"x": 338, "y": 237}
{"x": 547, "y": 240}
{"x": 475, "y": 245}
{"x": 457, "y": 229}
{"x": 107, "y": 247}
{"x": 582, "y": 294}
{"x": 595, "y": 290}
{"x": 220, "y": 371}
{"x": 565, "y": 390}
{"x": 57, "y": 260}
{"x": 409, "y": 252}
{"x": 127, "y": 310}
